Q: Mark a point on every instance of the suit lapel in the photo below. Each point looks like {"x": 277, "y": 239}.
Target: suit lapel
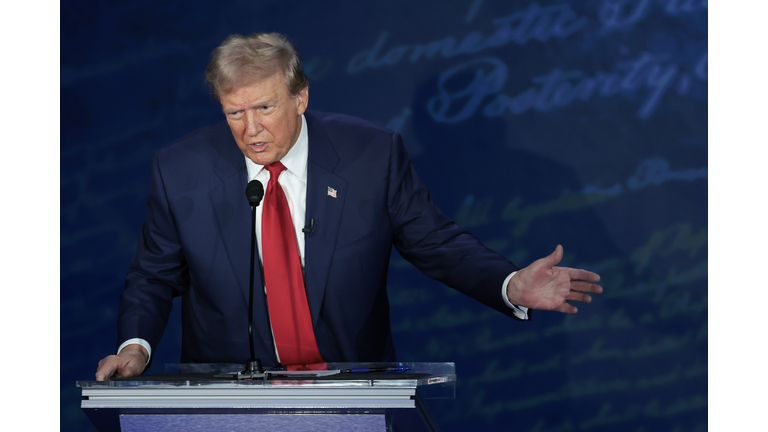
{"x": 233, "y": 217}
{"x": 325, "y": 210}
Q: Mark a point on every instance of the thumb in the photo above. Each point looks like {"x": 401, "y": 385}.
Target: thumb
{"x": 554, "y": 258}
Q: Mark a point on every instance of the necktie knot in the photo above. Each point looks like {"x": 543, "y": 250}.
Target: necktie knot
{"x": 275, "y": 169}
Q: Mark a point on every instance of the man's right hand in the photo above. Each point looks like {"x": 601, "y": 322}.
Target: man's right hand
{"x": 131, "y": 361}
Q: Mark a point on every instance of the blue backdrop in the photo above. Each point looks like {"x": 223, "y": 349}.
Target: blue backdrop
{"x": 581, "y": 123}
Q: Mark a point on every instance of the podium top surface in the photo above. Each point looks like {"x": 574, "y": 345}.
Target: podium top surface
{"x": 217, "y": 375}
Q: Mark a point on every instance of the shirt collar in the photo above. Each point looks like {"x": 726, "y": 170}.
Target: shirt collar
{"x": 295, "y": 160}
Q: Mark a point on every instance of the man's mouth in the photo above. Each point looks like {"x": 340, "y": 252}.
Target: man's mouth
{"x": 257, "y": 146}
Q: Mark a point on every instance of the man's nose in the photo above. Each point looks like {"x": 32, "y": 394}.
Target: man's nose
{"x": 253, "y": 123}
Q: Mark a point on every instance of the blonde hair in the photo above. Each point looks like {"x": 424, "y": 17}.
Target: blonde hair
{"x": 240, "y": 60}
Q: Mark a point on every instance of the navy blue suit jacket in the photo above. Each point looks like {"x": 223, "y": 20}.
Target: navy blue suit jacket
{"x": 195, "y": 242}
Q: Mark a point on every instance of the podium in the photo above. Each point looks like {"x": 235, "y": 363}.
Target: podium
{"x": 212, "y": 397}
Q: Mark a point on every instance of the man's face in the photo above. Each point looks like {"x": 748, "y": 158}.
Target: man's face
{"x": 265, "y": 120}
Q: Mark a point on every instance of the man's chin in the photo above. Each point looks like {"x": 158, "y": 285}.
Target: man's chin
{"x": 260, "y": 158}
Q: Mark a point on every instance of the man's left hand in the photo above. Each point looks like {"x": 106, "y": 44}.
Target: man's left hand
{"x": 543, "y": 286}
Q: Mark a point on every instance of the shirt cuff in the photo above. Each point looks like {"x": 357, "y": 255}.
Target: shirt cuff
{"x": 141, "y": 342}
{"x": 520, "y": 312}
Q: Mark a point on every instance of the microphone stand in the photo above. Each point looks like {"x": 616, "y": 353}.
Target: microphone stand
{"x": 253, "y": 369}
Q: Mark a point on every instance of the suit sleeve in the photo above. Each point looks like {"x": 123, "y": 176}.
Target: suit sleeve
{"x": 158, "y": 271}
{"x": 434, "y": 244}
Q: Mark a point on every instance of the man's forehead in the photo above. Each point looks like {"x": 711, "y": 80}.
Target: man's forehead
{"x": 255, "y": 93}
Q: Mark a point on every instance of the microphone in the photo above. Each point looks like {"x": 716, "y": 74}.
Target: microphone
{"x": 309, "y": 230}
{"x": 254, "y": 192}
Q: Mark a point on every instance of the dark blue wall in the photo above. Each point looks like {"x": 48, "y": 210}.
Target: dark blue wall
{"x": 582, "y": 123}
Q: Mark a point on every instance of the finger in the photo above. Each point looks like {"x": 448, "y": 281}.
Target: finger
{"x": 567, "y": 308}
{"x": 106, "y": 370}
{"x": 579, "y": 297}
{"x": 586, "y": 287}
{"x": 580, "y": 274}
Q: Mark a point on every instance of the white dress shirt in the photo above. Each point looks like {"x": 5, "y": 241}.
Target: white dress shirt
{"x": 294, "y": 183}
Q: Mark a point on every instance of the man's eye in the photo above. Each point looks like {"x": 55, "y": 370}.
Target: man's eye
{"x": 266, "y": 108}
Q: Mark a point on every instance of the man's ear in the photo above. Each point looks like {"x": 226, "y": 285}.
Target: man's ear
{"x": 302, "y": 99}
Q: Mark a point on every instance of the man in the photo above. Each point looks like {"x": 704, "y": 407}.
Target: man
{"x": 345, "y": 191}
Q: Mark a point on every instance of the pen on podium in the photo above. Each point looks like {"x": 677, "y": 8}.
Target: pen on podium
{"x": 398, "y": 369}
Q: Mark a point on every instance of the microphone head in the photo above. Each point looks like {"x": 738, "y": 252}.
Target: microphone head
{"x": 254, "y": 192}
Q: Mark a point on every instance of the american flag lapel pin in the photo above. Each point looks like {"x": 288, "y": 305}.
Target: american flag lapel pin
{"x": 332, "y": 192}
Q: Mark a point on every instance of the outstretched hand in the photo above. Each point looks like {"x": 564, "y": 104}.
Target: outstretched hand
{"x": 129, "y": 362}
{"x": 543, "y": 286}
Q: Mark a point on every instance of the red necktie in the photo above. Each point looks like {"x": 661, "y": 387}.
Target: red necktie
{"x": 286, "y": 296}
